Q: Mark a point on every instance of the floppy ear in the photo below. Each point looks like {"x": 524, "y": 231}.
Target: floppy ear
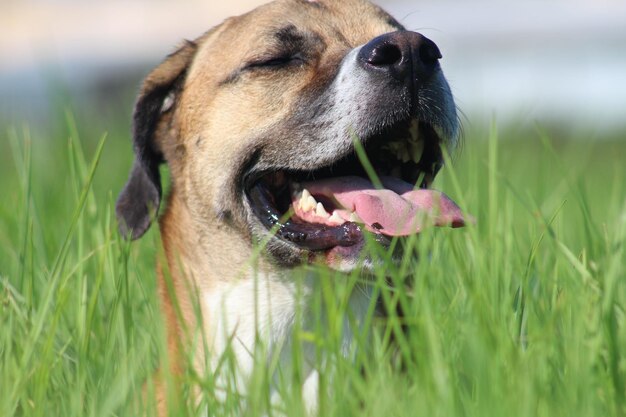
{"x": 139, "y": 200}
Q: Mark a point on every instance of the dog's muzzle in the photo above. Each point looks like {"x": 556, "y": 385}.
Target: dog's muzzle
{"x": 390, "y": 95}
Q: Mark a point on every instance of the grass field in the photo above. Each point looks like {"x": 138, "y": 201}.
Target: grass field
{"x": 519, "y": 315}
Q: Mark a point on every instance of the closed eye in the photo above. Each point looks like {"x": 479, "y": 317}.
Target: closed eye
{"x": 276, "y": 62}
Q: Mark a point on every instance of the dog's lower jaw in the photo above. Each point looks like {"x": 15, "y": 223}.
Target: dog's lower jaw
{"x": 256, "y": 306}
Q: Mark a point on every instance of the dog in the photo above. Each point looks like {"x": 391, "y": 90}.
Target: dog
{"x": 260, "y": 121}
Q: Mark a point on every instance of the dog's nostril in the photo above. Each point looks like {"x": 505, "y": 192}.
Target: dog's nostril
{"x": 429, "y": 53}
{"x": 385, "y": 55}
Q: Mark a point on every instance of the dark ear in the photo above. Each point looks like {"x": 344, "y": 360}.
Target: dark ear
{"x": 139, "y": 200}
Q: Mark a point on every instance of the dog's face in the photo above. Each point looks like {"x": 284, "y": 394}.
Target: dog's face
{"x": 264, "y": 122}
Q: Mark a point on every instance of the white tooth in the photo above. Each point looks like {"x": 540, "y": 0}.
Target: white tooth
{"x": 336, "y": 219}
{"x": 311, "y": 203}
{"x": 307, "y": 202}
{"x": 355, "y": 218}
{"x": 320, "y": 211}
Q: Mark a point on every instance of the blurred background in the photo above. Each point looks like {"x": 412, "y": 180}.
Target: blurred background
{"x": 556, "y": 62}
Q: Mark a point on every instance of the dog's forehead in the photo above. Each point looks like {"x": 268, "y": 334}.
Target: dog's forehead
{"x": 352, "y": 22}
{"x": 356, "y": 20}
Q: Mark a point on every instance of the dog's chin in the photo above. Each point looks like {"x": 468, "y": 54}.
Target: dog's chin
{"x": 325, "y": 214}
{"x": 339, "y": 258}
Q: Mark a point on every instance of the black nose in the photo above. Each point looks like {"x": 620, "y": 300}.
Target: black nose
{"x": 402, "y": 54}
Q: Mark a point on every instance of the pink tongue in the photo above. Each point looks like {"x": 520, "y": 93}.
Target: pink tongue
{"x": 397, "y": 210}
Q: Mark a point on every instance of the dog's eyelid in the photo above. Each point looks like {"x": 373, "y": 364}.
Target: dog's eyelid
{"x": 276, "y": 60}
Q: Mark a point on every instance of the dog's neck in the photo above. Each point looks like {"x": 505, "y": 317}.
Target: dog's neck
{"x": 241, "y": 304}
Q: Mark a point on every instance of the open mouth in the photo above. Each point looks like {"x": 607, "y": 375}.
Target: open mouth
{"x": 335, "y": 205}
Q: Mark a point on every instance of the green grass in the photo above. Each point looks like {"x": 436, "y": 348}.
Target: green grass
{"x": 519, "y": 315}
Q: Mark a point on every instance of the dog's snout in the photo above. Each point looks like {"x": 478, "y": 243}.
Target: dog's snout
{"x": 402, "y": 54}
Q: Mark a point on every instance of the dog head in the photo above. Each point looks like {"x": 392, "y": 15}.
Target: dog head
{"x": 267, "y": 121}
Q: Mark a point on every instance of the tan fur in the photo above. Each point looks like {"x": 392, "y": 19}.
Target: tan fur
{"x": 218, "y": 121}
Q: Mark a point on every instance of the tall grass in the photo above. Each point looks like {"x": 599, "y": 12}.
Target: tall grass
{"x": 521, "y": 314}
